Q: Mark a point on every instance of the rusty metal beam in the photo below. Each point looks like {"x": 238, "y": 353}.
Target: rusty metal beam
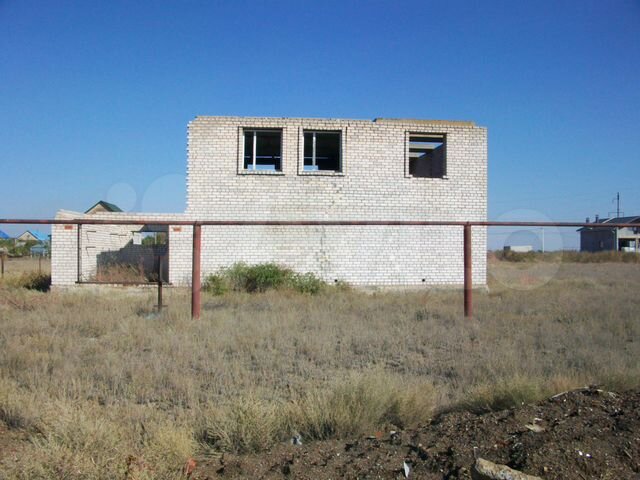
{"x": 151, "y": 221}
{"x": 78, "y": 254}
{"x": 195, "y": 272}
{"x": 122, "y": 282}
{"x": 468, "y": 273}
{"x": 93, "y": 221}
{"x": 160, "y": 257}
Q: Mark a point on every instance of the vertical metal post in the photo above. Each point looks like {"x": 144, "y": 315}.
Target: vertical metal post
{"x": 160, "y": 296}
{"x": 39, "y": 264}
{"x": 468, "y": 282}
{"x": 159, "y": 283}
{"x": 79, "y": 250}
{"x": 2, "y": 256}
{"x": 195, "y": 272}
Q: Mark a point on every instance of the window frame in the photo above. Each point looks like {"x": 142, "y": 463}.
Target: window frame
{"x": 445, "y": 163}
{"x": 341, "y": 132}
{"x": 241, "y": 149}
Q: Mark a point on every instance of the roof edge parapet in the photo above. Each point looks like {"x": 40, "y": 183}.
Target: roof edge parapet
{"x": 459, "y": 123}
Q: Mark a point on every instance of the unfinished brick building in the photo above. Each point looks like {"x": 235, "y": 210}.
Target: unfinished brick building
{"x": 254, "y": 168}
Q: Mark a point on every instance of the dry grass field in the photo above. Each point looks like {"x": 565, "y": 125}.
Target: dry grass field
{"x": 95, "y": 385}
{"x": 19, "y": 266}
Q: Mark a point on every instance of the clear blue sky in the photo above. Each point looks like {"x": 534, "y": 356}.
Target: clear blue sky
{"x": 95, "y": 96}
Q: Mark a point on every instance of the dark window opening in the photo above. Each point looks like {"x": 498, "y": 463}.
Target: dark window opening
{"x": 153, "y": 238}
{"x": 322, "y": 151}
{"x": 263, "y": 150}
{"x": 427, "y": 155}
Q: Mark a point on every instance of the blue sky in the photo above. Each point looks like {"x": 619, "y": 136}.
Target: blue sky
{"x": 95, "y": 96}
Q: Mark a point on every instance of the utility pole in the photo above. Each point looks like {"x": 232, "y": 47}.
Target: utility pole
{"x": 617, "y": 247}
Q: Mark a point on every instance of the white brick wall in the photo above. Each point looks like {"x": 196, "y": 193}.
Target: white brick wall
{"x": 64, "y": 251}
{"x": 373, "y": 185}
{"x": 96, "y": 239}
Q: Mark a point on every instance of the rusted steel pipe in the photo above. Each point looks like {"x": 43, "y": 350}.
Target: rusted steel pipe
{"x": 468, "y": 271}
{"x": 79, "y": 254}
{"x": 195, "y": 272}
{"x": 160, "y": 284}
{"x": 160, "y": 296}
{"x": 151, "y": 221}
{"x": 119, "y": 282}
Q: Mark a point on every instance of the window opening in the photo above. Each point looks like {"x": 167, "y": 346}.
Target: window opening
{"x": 263, "y": 150}
{"x": 427, "y": 155}
{"x": 322, "y": 151}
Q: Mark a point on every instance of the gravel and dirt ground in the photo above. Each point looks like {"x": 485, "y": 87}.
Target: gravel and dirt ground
{"x": 583, "y": 434}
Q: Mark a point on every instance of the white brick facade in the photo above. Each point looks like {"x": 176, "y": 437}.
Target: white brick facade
{"x": 70, "y": 263}
{"x": 374, "y": 184}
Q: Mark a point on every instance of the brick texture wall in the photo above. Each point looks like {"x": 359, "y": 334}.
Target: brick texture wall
{"x": 68, "y": 256}
{"x": 374, "y": 185}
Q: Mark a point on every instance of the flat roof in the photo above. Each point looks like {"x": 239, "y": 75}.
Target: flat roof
{"x": 418, "y": 121}
{"x": 462, "y": 123}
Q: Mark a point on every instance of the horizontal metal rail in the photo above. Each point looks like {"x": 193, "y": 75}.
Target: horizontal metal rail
{"x": 197, "y": 238}
{"x": 123, "y": 282}
{"x": 328, "y": 223}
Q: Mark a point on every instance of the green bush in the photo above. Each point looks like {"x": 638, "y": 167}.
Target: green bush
{"x": 216, "y": 284}
{"x": 21, "y": 249}
{"x": 306, "y": 283}
{"x": 241, "y": 277}
{"x": 236, "y": 276}
{"x": 266, "y": 276}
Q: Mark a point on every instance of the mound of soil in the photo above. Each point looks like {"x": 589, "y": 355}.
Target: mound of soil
{"x": 583, "y": 434}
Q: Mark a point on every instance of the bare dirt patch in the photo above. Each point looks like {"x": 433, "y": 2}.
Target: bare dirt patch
{"x": 584, "y": 434}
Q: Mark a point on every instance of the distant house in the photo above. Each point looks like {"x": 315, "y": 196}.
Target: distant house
{"x": 518, "y": 248}
{"x": 33, "y": 236}
{"x": 4, "y": 236}
{"x": 39, "y": 250}
{"x": 102, "y": 207}
{"x": 600, "y": 239}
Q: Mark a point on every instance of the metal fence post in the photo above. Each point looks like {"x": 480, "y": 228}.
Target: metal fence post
{"x": 160, "y": 283}
{"x": 79, "y": 253}
{"x": 468, "y": 282}
{"x": 2, "y": 256}
{"x": 195, "y": 272}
